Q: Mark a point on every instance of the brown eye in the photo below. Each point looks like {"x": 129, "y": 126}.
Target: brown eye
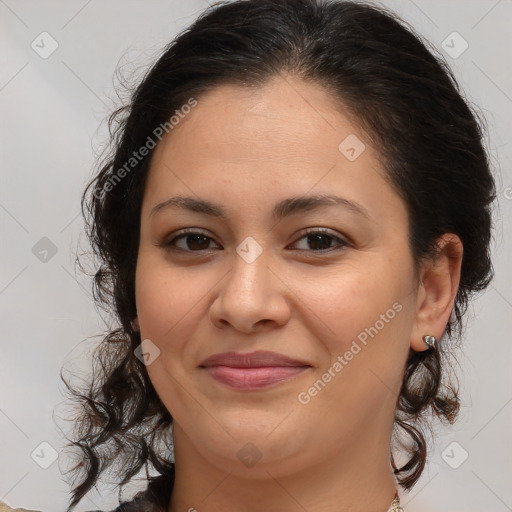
{"x": 190, "y": 241}
{"x": 318, "y": 241}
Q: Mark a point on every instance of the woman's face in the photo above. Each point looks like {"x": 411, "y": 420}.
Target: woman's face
{"x": 328, "y": 284}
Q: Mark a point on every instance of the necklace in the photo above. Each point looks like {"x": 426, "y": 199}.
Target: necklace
{"x": 395, "y": 505}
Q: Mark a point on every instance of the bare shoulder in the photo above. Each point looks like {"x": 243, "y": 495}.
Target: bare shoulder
{"x": 5, "y": 508}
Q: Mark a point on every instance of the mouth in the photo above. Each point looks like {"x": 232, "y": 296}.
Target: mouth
{"x": 252, "y": 371}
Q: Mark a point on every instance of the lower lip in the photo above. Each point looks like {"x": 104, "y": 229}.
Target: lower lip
{"x": 253, "y": 378}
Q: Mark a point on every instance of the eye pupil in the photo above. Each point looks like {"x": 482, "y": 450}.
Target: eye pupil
{"x": 316, "y": 239}
{"x": 196, "y": 243}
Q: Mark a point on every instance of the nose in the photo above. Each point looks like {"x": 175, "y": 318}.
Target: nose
{"x": 252, "y": 297}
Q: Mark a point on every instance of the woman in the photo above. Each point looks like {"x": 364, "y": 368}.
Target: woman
{"x": 294, "y": 215}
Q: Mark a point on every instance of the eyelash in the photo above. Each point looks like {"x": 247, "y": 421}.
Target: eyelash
{"x": 342, "y": 244}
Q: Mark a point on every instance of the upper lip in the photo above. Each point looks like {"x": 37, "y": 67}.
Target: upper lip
{"x": 257, "y": 359}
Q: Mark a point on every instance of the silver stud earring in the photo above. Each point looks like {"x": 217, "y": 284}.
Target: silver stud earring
{"x": 430, "y": 341}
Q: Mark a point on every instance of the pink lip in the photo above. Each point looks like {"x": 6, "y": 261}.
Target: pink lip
{"x": 252, "y": 371}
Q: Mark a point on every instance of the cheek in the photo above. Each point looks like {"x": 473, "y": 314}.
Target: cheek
{"x": 352, "y": 299}
{"x": 163, "y": 299}
{"x": 169, "y": 309}
{"x": 172, "y": 308}
{"x": 364, "y": 315}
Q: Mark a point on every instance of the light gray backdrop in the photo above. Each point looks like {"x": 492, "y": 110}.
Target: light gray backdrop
{"x": 56, "y": 68}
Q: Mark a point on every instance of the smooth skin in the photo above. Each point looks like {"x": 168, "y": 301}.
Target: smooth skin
{"x": 246, "y": 149}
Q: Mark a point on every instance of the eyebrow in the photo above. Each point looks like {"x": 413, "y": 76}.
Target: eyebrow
{"x": 282, "y": 209}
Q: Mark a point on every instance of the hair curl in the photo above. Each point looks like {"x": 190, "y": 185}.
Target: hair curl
{"x": 409, "y": 104}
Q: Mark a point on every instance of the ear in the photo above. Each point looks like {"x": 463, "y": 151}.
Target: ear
{"x": 135, "y": 324}
{"x": 440, "y": 277}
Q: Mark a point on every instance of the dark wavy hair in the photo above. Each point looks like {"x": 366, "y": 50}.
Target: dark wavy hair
{"x": 408, "y": 103}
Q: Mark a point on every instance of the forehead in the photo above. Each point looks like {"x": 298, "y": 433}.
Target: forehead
{"x": 277, "y": 118}
{"x": 284, "y": 138}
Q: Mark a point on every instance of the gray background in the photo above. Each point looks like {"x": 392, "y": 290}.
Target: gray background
{"x": 52, "y": 110}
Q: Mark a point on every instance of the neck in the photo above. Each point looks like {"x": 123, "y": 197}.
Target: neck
{"x": 358, "y": 478}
